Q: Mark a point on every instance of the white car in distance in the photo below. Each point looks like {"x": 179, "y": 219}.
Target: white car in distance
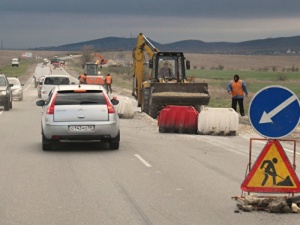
{"x": 52, "y": 81}
{"x": 15, "y": 62}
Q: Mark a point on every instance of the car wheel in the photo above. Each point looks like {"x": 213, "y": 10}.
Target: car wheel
{"x": 114, "y": 146}
{"x": 10, "y": 104}
{"x": 21, "y": 98}
{"x": 46, "y": 143}
{"x": 7, "y": 106}
{"x": 115, "y": 142}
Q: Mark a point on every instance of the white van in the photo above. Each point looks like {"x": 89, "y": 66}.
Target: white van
{"x": 15, "y": 62}
{"x": 52, "y": 81}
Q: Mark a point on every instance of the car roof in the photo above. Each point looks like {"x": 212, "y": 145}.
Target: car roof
{"x": 13, "y": 78}
{"x": 78, "y": 87}
{"x": 58, "y": 76}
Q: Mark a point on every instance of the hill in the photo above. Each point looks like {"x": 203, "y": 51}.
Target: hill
{"x": 269, "y": 46}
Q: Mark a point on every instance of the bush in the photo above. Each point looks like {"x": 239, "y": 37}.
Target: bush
{"x": 220, "y": 67}
{"x": 282, "y": 77}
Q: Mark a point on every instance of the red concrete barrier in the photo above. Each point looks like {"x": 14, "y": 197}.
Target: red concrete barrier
{"x": 178, "y": 119}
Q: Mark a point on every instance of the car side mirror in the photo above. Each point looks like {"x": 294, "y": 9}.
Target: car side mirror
{"x": 22, "y": 84}
{"x": 11, "y": 85}
{"x": 114, "y": 101}
{"x": 40, "y": 103}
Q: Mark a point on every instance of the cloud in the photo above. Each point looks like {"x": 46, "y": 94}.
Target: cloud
{"x": 35, "y": 23}
{"x": 180, "y": 8}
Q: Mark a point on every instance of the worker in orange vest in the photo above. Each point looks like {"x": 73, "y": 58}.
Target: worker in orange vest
{"x": 237, "y": 88}
{"x": 108, "y": 82}
{"x": 82, "y": 78}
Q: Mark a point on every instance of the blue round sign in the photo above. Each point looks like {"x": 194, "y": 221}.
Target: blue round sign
{"x": 274, "y": 112}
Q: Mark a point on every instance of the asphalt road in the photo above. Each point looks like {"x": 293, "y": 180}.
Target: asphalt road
{"x": 154, "y": 178}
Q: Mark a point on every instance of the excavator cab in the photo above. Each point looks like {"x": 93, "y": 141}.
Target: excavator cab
{"x": 93, "y": 75}
{"x": 91, "y": 69}
{"x": 169, "y": 66}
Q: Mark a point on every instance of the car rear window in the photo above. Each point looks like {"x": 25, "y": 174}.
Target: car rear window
{"x": 56, "y": 80}
{"x": 13, "y": 81}
{"x": 80, "y": 98}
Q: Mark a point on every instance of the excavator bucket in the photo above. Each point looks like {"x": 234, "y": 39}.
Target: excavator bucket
{"x": 184, "y": 94}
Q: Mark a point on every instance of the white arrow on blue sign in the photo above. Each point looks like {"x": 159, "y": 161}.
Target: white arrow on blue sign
{"x": 274, "y": 112}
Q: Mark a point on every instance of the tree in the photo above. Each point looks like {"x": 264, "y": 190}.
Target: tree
{"x": 87, "y": 54}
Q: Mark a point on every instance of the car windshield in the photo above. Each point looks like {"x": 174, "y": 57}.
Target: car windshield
{"x": 2, "y": 81}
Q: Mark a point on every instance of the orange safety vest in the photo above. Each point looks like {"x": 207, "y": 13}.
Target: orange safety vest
{"x": 237, "y": 88}
{"x": 108, "y": 80}
{"x": 82, "y": 79}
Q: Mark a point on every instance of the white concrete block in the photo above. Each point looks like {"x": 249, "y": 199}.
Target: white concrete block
{"x": 218, "y": 121}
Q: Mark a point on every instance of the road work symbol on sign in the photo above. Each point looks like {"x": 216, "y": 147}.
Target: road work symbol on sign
{"x": 272, "y": 172}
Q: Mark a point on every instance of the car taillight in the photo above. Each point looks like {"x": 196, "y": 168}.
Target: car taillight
{"x": 50, "y": 109}
{"x": 110, "y": 107}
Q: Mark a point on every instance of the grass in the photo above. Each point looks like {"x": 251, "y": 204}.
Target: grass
{"x": 255, "y": 81}
{"x": 17, "y": 71}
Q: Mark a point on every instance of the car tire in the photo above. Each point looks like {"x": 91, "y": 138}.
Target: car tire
{"x": 46, "y": 143}
{"x": 10, "y": 104}
{"x": 7, "y": 106}
{"x": 21, "y": 98}
{"x": 114, "y": 146}
{"x": 115, "y": 142}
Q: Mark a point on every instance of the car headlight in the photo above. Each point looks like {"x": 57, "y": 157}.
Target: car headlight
{"x": 3, "y": 92}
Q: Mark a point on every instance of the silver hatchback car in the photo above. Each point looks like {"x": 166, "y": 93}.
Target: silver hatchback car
{"x": 79, "y": 113}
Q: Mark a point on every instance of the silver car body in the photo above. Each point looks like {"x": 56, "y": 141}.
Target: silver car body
{"x": 17, "y": 89}
{"x": 52, "y": 81}
{"x": 79, "y": 112}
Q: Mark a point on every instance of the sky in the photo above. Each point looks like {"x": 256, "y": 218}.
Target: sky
{"x": 43, "y": 23}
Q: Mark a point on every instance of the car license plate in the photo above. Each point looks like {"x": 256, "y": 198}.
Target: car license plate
{"x": 85, "y": 128}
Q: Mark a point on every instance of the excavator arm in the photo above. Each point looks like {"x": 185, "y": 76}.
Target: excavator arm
{"x": 138, "y": 55}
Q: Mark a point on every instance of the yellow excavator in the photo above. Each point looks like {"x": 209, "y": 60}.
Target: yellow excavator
{"x": 167, "y": 83}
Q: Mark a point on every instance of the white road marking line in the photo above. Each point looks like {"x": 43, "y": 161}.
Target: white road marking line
{"x": 28, "y": 86}
{"x": 142, "y": 160}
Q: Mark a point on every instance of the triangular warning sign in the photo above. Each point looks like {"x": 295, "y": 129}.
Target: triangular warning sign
{"x": 272, "y": 172}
